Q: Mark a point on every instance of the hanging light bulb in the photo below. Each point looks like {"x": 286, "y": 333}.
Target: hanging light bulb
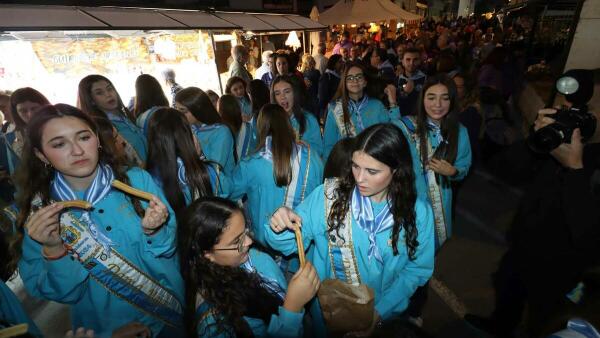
{"x": 293, "y": 41}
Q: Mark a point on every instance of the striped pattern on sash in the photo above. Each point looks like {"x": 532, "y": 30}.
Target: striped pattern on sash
{"x": 243, "y": 140}
{"x": 341, "y": 247}
{"x": 433, "y": 189}
{"x": 119, "y": 276}
{"x": 345, "y": 129}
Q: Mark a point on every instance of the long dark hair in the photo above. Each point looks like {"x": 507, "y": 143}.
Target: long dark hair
{"x": 259, "y": 95}
{"x": 199, "y": 105}
{"x": 232, "y": 291}
{"x": 170, "y": 137}
{"x": 231, "y": 113}
{"x": 273, "y": 121}
{"x": 339, "y": 161}
{"x": 148, "y": 94}
{"x": 449, "y": 124}
{"x": 34, "y": 178}
{"x": 297, "y": 106}
{"x": 22, "y": 95}
{"x": 387, "y": 144}
{"x": 86, "y": 103}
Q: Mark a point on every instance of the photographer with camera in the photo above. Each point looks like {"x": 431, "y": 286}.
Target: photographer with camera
{"x": 555, "y": 236}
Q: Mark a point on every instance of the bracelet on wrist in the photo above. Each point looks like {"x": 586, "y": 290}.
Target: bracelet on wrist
{"x": 54, "y": 258}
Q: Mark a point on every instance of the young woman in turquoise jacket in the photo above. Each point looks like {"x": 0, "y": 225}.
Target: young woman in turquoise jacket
{"x": 233, "y": 290}
{"x": 114, "y": 263}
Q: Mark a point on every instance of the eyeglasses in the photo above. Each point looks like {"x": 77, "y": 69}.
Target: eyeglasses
{"x": 240, "y": 246}
{"x": 353, "y": 78}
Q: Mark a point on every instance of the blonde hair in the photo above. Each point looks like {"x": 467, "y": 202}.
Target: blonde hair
{"x": 308, "y": 63}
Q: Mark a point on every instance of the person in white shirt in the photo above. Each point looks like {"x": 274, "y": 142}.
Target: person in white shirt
{"x": 320, "y": 58}
{"x": 265, "y": 67}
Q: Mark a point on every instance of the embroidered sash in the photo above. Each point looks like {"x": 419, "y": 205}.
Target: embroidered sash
{"x": 341, "y": 247}
{"x": 119, "y": 276}
{"x": 345, "y": 129}
{"x": 433, "y": 189}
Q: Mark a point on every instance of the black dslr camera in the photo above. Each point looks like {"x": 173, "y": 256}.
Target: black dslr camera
{"x": 577, "y": 85}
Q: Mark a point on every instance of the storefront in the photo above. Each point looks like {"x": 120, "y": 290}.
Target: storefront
{"x": 52, "y": 47}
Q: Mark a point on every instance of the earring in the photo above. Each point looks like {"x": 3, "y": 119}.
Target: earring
{"x": 48, "y": 166}
{"x": 99, "y": 148}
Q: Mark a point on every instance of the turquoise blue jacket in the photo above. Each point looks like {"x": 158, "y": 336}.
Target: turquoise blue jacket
{"x": 217, "y": 145}
{"x": 92, "y": 306}
{"x": 393, "y": 282}
{"x": 462, "y": 165}
{"x": 12, "y": 313}
{"x": 284, "y": 324}
{"x": 374, "y": 112}
{"x": 132, "y": 134}
{"x": 254, "y": 177}
{"x": 312, "y": 132}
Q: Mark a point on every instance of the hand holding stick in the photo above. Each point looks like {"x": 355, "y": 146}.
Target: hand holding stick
{"x": 300, "y": 243}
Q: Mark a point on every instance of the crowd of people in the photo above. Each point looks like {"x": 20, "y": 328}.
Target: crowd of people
{"x": 249, "y": 214}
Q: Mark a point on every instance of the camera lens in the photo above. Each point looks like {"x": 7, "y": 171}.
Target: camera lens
{"x": 546, "y": 139}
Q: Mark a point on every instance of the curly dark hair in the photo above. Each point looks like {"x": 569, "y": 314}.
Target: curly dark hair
{"x": 387, "y": 144}
{"x": 33, "y": 177}
{"x": 231, "y": 291}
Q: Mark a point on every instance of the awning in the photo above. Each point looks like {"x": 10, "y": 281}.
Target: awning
{"x": 270, "y": 22}
{"x": 358, "y": 11}
{"x": 69, "y": 18}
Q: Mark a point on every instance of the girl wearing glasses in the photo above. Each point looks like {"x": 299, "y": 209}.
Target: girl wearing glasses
{"x": 97, "y": 96}
{"x": 231, "y": 289}
{"x": 353, "y": 109}
{"x": 114, "y": 263}
{"x": 286, "y": 92}
{"x": 214, "y": 136}
{"x": 282, "y": 172}
{"x": 368, "y": 227}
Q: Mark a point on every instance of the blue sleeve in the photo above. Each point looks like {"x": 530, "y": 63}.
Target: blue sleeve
{"x": 63, "y": 280}
{"x": 387, "y": 115}
{"x": 394, "y": 298}
{"x": 240, "y": 180}
{"x": 225, "y": 157}
{"x": 162, "y": 243}
{"x": 311, "y": 212}
{"x": 11, "y": 311}
{"x": 312, "y": 134}
{"x": 463, "y": 154}
{"x": 331, "y": 134}
{"x": 286, "y": 324}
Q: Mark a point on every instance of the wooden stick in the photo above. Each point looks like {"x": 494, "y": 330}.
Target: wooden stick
{"x": 14, "y": 331}
{"x": 300, "y": 244}
{"x": 132, "y": 191}
{"x": 76, "y": 204}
